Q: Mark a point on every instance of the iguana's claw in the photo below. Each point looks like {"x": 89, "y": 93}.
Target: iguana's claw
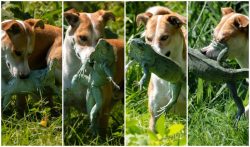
{"x": 113, "y": 82}
{"x": 238, "y": 116}
{"x": 141, "y": 83}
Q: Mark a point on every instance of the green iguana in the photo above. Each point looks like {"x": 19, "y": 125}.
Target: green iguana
{"x": 38, "y": 80}
{"x": 158, "y": 64}
{"x": 212, "y": 70}
{"x": 103, "y": 60}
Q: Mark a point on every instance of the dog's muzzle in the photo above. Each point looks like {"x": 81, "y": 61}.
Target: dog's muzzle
{"x": 213, "y": 49}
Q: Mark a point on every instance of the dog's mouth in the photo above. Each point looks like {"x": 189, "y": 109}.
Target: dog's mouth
{"x": 167, "y": 54}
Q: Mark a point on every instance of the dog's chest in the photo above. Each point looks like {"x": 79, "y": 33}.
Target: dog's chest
{"x": 163, "y": 89}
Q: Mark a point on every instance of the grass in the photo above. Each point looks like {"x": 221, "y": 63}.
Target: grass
{"x": 211, "y": 109}
{"x": 171, "y": 128}
{"x": 77, "y": 132}
{"x": 137, "y": 118}
{"x": 27, "y": 130}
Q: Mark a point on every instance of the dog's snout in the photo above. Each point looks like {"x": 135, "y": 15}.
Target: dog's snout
{"x": 78, "y": 55}
{"x": 8, "y": 64}
{"x": 23, "y": 76}
{"x": 204, "y": 50}
{"x": 168, "y": 54}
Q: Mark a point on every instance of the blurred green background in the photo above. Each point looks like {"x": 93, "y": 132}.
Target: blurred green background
{"x": 49, "y": 12}
{"x": 76, "y": 132}
{"x": 211, "y": 109}
{"x": 26, "y": 130}
{"x": 171, "y": 127}
{"x": 116, "y": 7}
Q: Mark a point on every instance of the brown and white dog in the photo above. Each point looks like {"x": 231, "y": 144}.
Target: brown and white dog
{"x": 232, "y": 31}
{"x": 84, "y": 31}
{"x": 165, "y": 34}
{"x": 28, "y": 45}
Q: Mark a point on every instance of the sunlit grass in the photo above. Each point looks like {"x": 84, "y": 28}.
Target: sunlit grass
{"x": 26, "y": 130}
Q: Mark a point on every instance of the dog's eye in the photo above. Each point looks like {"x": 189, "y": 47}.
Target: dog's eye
{"x": 18, "y": 53}
{"x": 164, "y": 37}
{"x": 83, "y": 38}
{"x": 149, "y": 39}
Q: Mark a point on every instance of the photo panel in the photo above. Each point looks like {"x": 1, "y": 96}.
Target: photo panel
{"x": 218, "y": 68}
{"x": 93, "y": 75}
{"x": 156, "y": 73}
{"x": 31, "y": 49}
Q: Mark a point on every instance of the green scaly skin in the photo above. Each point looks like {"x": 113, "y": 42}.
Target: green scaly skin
{"x": 212, "y": 70}
{"x": 153, "y": 62}
{"x": 38, "y": 80}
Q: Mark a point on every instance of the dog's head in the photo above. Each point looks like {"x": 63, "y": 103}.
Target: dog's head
{"x": 18, "y": 41}
{"x": 87, "y": 29}
{"x": 232, "y": 31}
{"x": 163, "y": 32}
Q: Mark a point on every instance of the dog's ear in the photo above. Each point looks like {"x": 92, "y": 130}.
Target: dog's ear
{"x": 176, "y": 20}
{"x": 227, "y": 10}
{"x": 241, "y": 22}
{"x": 143, "y": 18}
{"x": 105, "y": 16}
{"x": 72, "y": 17}
{"x": 35, "y": 23}
{"x": 12, "y": 28}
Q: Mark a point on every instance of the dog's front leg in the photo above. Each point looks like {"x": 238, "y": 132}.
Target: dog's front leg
{"x": 155, "y": 99}
{"x": 21, "y": 103}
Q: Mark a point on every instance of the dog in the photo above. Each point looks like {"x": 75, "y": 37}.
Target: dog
{"x": 164, "y": 32}
{"x": 29, "y": 45}
{"x": 232, "y": 31}
{"x": 82, "y": 35}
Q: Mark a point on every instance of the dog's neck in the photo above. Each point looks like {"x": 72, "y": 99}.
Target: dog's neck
{"x": 180, "y": 55}
{"x": 242, "y": 58}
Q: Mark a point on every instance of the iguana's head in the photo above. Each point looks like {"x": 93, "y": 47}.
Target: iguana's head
{"x": 140, "y": 51}
{"x": 103, "y": 52}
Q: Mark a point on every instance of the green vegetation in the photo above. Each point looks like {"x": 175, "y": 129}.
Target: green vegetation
{"x": 27, "y": 130}
{"x": 171, "y": 127}
{"x": 211, "y": 109}
{"x": 76, "y": 130}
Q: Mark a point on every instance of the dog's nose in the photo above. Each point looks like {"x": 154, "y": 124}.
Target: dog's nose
{"x": 203, "y": 51}
{"x": 23, "y": 76}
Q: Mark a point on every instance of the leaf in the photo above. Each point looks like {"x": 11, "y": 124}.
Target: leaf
{"x": 175, "y": 129}
{"x": 160, "y": 125}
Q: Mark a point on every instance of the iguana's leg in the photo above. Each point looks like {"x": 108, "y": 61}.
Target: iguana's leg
{"x": 237, "y": 100}
{"x": 176, "y": 88}
{"x": 95, "y": 111}
{"x": 130, "y": 63}
{"x": 108, "y": 71}
{"x": 145, "y": 77}
{"x": 222, "y": 56}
